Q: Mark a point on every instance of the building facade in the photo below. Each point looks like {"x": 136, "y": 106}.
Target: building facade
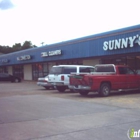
{"x": 120, "y": 46}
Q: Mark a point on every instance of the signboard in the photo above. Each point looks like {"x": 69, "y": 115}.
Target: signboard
{"x": 51, "y": 53}
{"x": 24, "y": 57}
{"x": 4, "y": 61}
{"x": 123, "y": 43}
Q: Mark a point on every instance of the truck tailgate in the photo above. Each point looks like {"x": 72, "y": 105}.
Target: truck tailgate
{"x": 77, "y": 79}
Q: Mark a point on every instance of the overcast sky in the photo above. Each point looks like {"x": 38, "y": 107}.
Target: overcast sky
{"x": 52, "y": 21}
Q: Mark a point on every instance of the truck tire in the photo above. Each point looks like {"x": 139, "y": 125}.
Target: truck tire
{"x": 104, "y": 89}
{"x": 83, "y": 92}
{"x": 61, "y": 89}
{"x": 16, "y": 80}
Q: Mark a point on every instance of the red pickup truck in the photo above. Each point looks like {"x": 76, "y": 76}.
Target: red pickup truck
{"x": 107, "y": 77}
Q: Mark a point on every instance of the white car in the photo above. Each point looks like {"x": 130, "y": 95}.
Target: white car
{"x": 59, "y": 75}
{"x": 44, "y": 83}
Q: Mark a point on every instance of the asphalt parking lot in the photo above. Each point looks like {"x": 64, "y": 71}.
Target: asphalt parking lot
{"x": 29, "y": 112}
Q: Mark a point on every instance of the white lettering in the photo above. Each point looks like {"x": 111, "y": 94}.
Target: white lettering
{"x": 4, "y": 61}
{"x": 24, "y": 57}
{"x": 44, "y": 54}
{"x": 57, "y": 52}
{"x": 111, "y": 45}
{"x": 117, "y": 44}
{"x": 131, "y": 41}
{"x": 138, "y": 40}
{"x": 123, "y": 43}
{"x": 51, "y": 53}
{"x": 105, "y": 47}
{"x": 139, "y": 133}
{"x": 136, "y": 134}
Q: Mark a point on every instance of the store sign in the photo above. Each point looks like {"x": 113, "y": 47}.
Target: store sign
{"x": 4, "y": 61}
{"x": 123, "y": 43}
{"x": 51, "y": 53}
{"x": 24, "y": 57}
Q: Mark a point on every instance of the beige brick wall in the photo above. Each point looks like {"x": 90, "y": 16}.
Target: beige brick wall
{"x": 91, "y": 62}
{"x": 27, "y": 72}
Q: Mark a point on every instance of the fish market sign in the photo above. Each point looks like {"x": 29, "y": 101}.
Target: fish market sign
{"x": 51, "y": 53}
{"x": 123, "y": 43}
{"x": 24, "y": 57}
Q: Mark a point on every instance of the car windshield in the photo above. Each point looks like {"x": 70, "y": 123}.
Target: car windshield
{"x": 56, "y": 70}
{"x": 62, "y": 70}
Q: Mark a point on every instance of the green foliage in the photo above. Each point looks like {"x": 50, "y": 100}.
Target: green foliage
{"x": 16, "y": 47}
{"x": 5, "y": 49}
{"x": 26, "y": 45}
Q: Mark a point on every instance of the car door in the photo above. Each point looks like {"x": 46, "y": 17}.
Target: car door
{"x": 132, "y": 79}
{"x": 4, "y": 77}
{"x": 122, "y": 78}
{"x": 128, "y": 78}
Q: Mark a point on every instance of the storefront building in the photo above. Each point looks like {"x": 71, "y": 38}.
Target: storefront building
{"x": 120, "y": 46}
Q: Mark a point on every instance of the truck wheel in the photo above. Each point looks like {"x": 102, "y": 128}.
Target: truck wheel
{"x": 61, "y": 89}
{"x": 16, "y": 80}
{"x": 83, "y": 92}
{"x": 104, "y": 89}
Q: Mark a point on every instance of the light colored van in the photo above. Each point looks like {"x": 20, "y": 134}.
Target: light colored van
{"x": 59, "y": 74}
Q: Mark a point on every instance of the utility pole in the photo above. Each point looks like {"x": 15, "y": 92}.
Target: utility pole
{"x": 42, "y": 43}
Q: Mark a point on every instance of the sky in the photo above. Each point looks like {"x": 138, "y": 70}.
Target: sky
{"x": 52, "y": 21}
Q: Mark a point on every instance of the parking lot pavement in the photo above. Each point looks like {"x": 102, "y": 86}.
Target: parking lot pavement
{"x": 29, "y": 112}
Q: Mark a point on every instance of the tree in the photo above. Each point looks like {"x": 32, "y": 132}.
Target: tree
{"x": 17, "y": 47}
{"x": 26, "y": 45}
{"x": 5, "y": 49}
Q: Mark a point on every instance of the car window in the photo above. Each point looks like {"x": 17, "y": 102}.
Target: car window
{"x": 62, "y": 70}
{"x": 56, "y": 70}
{"x": 104, "y": 69}
{"x": 86, "y": 69}
{"x": 138, "y": 72}
{"x": 125, "y": 70}
{"x": 68, "y": 70}
{"x": 4, "y": 74}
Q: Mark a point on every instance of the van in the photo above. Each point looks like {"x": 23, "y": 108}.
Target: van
{"x": 59, "y": 75}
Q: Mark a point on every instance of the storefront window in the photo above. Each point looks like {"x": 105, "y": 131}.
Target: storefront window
{"x": 18, "y": 71}
{"x": 39, "y": 70}
{"x": 116, "y": 60}
{"x": 70, "y": 62}
{"x": 45, "y": 69}
{"x": 3, "y": 69}
{"x": 130, "y": 60}
{"x": 137, "y": 62}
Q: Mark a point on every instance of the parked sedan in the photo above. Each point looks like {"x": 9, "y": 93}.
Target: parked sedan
{"x": 9, "y": 77}
{"x": 44, "y": 83}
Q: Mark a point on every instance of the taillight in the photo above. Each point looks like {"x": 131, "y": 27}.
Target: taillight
{"x": 62, "y": 78}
